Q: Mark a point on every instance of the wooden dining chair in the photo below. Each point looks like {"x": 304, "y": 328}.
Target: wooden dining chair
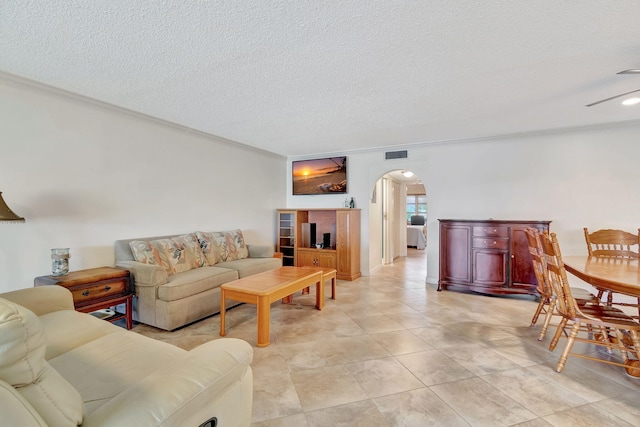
{"x": 547, "y": 301}
{"x": 613, "y": 244}
{"x": 599, "y": 325}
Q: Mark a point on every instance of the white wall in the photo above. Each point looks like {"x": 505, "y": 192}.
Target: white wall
{"x": 84, "y": 174}
{"x": 574, "y": 178}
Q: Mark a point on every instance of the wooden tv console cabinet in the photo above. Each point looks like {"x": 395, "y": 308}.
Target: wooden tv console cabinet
{"x": 487, "y": 256}
{"x": 343, "y": 224}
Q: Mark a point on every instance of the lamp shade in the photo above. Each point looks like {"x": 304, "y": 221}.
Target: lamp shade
{"x": 7, "y": 214}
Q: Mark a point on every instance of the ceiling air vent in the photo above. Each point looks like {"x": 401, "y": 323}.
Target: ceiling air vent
{"x": 395, "y": 155}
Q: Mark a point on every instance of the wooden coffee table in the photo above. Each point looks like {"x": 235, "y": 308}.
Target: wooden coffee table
{"x": 264, "y": 288}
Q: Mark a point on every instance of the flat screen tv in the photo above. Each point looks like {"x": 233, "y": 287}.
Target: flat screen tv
{"x": 320, "y": 176}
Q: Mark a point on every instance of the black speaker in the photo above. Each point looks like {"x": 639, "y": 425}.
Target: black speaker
{"x": 312, "y": 234}
{"x": 308, "y": 234}
{"x": 326, "y": 240}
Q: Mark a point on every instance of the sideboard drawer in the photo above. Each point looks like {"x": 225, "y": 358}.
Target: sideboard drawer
{"x": 489, "y": 243}
{"x": 488, "y": 231}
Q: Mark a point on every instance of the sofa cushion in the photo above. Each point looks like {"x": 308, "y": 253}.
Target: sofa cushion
{"x": 220, "y": 246}
{"x": 249, "y": 266}
{"x": 175, "y": 255}
{"x": 194, "y": 282}
{"x": 22, "y": 365}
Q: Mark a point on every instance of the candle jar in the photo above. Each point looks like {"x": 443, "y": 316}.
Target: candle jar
{"x": 60, "y": 261}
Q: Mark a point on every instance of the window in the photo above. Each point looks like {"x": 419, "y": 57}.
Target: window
{"x": 416, "y": 205}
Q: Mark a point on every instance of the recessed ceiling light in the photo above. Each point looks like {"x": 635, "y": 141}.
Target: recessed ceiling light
{"x": 407, "y": 174}
{"x": 631, "y": 71}
{"x": 631, "y": 101}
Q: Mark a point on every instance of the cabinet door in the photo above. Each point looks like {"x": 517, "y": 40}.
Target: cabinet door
{"x": 490, "y": 267}
{"x": 455, "y": 247}
{"x": 306, "y": 258}
{"x": 326, "y": 259}
{"x": 343, "y": 230}
{"x": 521, "y": 265}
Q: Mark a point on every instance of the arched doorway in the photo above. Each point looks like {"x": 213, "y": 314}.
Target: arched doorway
{"x": 396, "y": 197}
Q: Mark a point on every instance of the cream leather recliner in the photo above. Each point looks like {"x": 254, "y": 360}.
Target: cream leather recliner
{"x": 59, "y": 367}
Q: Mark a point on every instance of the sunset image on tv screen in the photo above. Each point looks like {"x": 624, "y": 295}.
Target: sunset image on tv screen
{"x": 320, "y": 176}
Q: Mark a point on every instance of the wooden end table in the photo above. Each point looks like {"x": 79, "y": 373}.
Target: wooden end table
{"x": 96, "y": 288}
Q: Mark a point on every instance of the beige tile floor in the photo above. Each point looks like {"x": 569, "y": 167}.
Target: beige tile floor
{"x": 392, "y": 351}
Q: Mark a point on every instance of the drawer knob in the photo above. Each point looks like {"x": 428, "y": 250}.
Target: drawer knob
{"x": 85, "y": 294}
{"x": 107, "y": 288}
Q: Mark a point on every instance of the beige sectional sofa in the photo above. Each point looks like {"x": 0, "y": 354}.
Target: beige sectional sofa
{"x": 177, "y": 278}
{"x": 59, "y": 367}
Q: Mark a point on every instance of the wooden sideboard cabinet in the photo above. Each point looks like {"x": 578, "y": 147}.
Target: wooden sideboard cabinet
{"x": 487, "y": 256}
{"x": 343, "y": 251}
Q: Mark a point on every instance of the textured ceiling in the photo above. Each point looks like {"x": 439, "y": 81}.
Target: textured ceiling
{"x": 312, "y": 77}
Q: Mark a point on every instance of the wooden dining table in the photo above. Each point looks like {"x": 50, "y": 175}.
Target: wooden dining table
{"x": 619, "y": 275}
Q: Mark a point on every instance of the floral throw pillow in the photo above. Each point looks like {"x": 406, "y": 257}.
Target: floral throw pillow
{"x": 189, "y": 245}
{"x": 213, "y": 246}
{"x": 221, "y": 246}
{"x": 236, "y": 248}
{"x": 167, "y": 253}
{"x": 143, "y": 252}
{"x": 175, "y": 255}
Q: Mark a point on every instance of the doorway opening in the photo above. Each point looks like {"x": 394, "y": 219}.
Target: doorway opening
{"x": 398, "y": 215}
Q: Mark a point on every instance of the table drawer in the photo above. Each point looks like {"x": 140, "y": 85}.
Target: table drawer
{"x": 489, "y": 243}
{"x": 99, "y": 290}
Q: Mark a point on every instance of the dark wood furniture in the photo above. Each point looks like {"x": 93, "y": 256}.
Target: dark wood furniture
{"x": 95, "y": 289}
{"x": 343, "y": 225}
{"x": 487, "y": 256}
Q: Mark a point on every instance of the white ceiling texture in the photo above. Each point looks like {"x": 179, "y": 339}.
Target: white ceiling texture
{"x": 308, "y": 77}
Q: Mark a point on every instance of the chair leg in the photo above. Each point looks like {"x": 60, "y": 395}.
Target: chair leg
{"x": 603, "y": 336}
{"x": 635, "y": 338}
{"x": 567, "y": 348}
{"x": 556, "y": 336}
{"x": 621, "y": 346}
{"x": 547, "y": 319}
{"x": 541, "y": 305}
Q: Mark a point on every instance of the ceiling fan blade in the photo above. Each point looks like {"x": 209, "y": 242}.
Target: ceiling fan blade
{"x": 613, "y": 97}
